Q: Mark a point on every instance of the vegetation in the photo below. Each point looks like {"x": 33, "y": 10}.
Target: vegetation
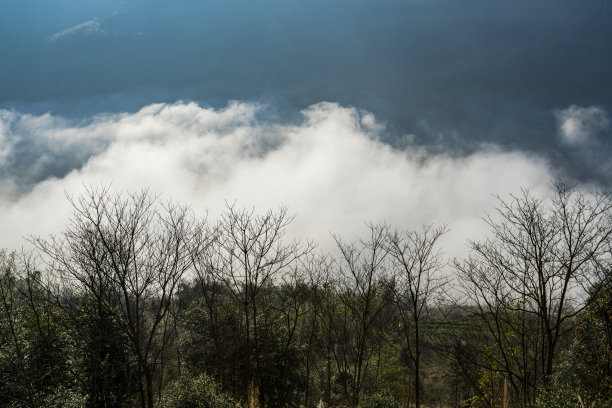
{"x": 139, "y": 303}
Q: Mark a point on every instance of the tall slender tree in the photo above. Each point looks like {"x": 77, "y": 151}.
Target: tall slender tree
{"x": 365, "y": 293}
{"x": 249, "y": 254}
{"x": 417, "y": 264}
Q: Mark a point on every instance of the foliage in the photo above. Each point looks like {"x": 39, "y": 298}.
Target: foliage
{"x": 572, "y": 379}
{"x": 34, "y": 347}
{"x": 381, "y": 399}
{"x": 65, "y": 398}
{"x": 564, "y": 396}
{"x": 393, "y": 373}
{"x": 195, "y": 392}
{"x": 594, "y": 340}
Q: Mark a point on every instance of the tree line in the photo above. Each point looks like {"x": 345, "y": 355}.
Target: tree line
{"x": 140, "y": 303}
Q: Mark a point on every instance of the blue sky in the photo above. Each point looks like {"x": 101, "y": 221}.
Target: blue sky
{"x": 442, "y": 79}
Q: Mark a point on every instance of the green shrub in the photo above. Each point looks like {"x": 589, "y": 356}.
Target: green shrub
{"x": 195, "y": 392}
{"x": 382, "y": 399}
{"x": 64, "y": 398}
{"x": 564, "y": 396}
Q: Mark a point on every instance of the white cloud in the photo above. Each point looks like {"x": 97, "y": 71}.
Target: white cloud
{"x": 331, "y": 170}
{"x": 578, "y": 125}
{"x": 5, "y": 145}
{"x": 89, "y": 27}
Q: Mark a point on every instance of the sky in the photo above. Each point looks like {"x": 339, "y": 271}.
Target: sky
{"x": 406, "y": 111}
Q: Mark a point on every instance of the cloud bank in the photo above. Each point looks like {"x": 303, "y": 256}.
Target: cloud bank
{"x": 331, "y": 169}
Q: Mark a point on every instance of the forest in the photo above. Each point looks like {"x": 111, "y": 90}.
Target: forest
{"x": 138, "y": 302}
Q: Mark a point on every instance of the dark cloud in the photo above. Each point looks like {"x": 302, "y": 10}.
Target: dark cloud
{"x": 452, "y": 73}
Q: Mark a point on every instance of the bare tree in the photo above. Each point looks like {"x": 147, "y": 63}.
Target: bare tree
{"x": 326, "y": 307}
{"x": 249, "y": 254}
{"x": 364, "y": 296}
{"x": 417, "y": 263}
{"x": 529, "y": 279}
{"x": 318, "y": 269}
{"x": 130, "y": 253}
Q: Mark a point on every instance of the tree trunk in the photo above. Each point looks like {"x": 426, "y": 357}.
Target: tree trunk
{"x": 329, "y": 345}
{"x": 141, "y": 386}
{"x": 417, "y": 363}
{"x": 256, "y": 345}
{"x": 149, "y": 379}
{"x": 248, "y": 348}
{"x": 550, "y": 354}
